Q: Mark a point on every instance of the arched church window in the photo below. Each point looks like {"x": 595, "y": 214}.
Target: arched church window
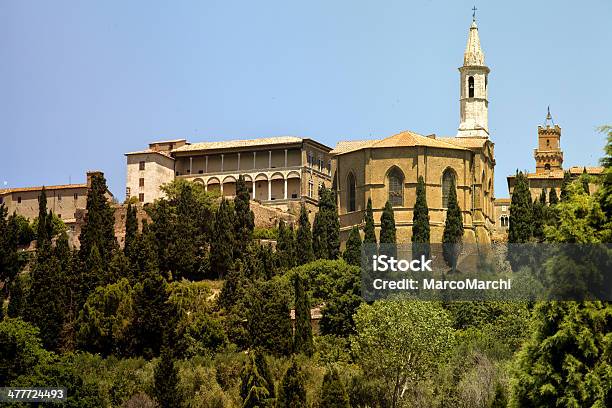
{"x": 396, "y": 187}
{"x": 471, "y": 87}
{"x": 547, "y": 166}
{"x": 351, "y": 192}
{"x": 448, "y": 180}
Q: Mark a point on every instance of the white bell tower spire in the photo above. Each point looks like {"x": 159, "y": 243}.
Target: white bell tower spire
{"x": 474, "y": 102}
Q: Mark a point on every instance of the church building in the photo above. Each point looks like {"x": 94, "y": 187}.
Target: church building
{"x": 388, "y": 169}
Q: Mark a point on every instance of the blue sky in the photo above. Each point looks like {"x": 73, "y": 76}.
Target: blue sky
{"x": 82, "y": 82}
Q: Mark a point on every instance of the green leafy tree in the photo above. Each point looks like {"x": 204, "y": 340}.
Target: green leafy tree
{"x": 305, "y": 253}
{"x": 20, "y": 349}
{"x": 420, "y": 223}
{"x": 605, "y": 191}
{"x": 564, "y": 184}
{"x": 166, "y": 379}
{"x": 292, "y": 391}
{"x": 244, "y": 222}
{"x": 302, "y": 339}
{"x": 98, "y": 229}
{"x": 387, "y": 231}
{"x": 566, "y": 362}
{"x": 520, "y": 230}
{"x": 221, "y": 248}
{"x": 453, "y": 229}
{"x": 104, "y": 322}
{"x": 369, "y": 229}
{"x": 401, "y": 342}
{"x": 352, "y": 253}
{"x": 333, "y": 392}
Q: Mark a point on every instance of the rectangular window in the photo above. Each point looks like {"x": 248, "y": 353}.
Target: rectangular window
{"x": 141, "y": 197}
{"x": 76, "y": 196}
{"x": 1, "y": 200}
{"x": 141, "y": 182}
{"x": 310, "y": 188}
{"x": 59, "y": 215}
{"x": 504, "y": 208}
{"x": 141, "y": 165}
{"x": 59, "y": 197}
{"x": 19, "y": 200}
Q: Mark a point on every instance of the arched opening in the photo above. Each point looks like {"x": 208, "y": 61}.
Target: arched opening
{"x": 547, "y": 166}
{"x": 448, "y": 181}
{"x": 471, "y": 87}
{"x": 396, "y": 187}
{"x": 351, "y": 187}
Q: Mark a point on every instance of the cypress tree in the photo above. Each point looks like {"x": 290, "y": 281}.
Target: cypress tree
{"x": 552, "y": 197}
{"x": 564, "y": 186}
{"x": 420, "y": 223}
{"x": 43, "y": 236}
{"x": 543, "y": 197}
{"x": 520, "y": 230}
{"x": 264, "y": 371}
{"x": 9, "y": 260}
{"x": 253, "y": 387}
{"x": 352, "y": 253}
{"x": 166, "y": 381}
{"x": 333, "y": 393}
{"x": 585, "y": 181}
{"x": 150, "y": 315}
{"x": 305, "y": 253}
{"x": 326, "y": 227}
{"x": 285, "y": 246}
{"x": 292, "y": 392}
{"x": 453, "y": 229}
{"x": 244, "y": 222}
{"x": 387, "y": 231}
{"x": 131, "y": 232}
{"x": 221, "y": 248}
{"x": 369, "y": 234}
{"x": 99, "y": 227}
{"x": 538, "y": 220}
{"x": 302, "y": 338}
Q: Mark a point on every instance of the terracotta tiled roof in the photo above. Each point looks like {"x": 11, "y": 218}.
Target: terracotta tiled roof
{"x": 26, "y": 189}
{"x": 147, "y": 151}
{"x": 468, "y": 142}
{"x": 402, "y": 139}
{"x": 229, "y": 144}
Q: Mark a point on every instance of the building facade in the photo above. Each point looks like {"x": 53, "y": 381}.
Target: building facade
{"x": 279, "y": 171}
{"x": 388, "y": 169}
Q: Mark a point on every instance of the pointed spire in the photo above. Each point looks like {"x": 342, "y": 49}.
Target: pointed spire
{"x": 473, "y": 53}
{"x": 549, "y": 118}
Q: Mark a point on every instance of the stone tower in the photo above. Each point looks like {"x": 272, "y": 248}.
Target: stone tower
{"x": 474, "y": 80}
{"x": 548, "y": 155}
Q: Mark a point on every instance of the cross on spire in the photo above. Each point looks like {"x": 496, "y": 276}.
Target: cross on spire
{"x": 474, "y": 13}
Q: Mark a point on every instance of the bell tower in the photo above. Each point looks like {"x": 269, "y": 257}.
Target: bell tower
{"x": 474, "y": 102}
{"x": 548, "y": 155}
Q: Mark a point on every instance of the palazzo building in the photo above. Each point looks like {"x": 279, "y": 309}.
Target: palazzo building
{"x": 279, "y": 171}
{"x": 388, "y": 169}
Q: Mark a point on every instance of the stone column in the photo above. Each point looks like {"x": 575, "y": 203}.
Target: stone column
{"x": 190, "y": 165}
{"x": 206, "y": 170}
{"x": 269, "y": 159}
{"x": 269, "y": 189}
{"x": 254, "y": 160}
{"x": 285, "y": 160}
{"x": 254, "y": 196}
{"x": 285, "y": 184}
{"x": 238, "y": 162}
{"x": 221, "y": 165}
